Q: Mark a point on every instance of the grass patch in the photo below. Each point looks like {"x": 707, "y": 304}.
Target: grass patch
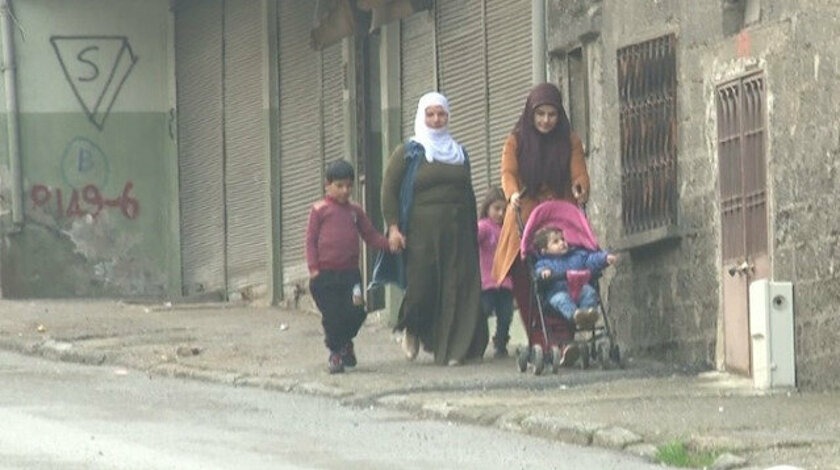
{"x": 677, "y": 454}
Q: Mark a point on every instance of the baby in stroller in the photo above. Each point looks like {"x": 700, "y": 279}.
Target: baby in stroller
{"x": 566, "y": 271}
{"x": 565, "y": 261}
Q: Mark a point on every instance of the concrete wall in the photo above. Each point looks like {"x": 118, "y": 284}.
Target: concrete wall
{"x": 804, "y": 164}
{"x": 666, "y": 298}
{"x": 99, "y": 155}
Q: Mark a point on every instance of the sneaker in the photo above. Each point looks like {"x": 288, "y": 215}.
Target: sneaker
{"x": 336, "y": 366}
{"x": 410, "y": 345}
{"x": 348, "y": 356}
{"x": 570, "y": 355}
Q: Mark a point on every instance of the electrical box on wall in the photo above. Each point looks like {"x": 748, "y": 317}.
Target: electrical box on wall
{"x": 771, "y": 334}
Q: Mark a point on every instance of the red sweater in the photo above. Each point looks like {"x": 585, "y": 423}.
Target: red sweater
{"x": 332, "y": 236}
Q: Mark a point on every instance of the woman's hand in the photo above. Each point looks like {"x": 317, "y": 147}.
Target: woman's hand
{"x": 580, "y": 194}
{"x": 396, "y": 240}
{"x": 514, "y": 199}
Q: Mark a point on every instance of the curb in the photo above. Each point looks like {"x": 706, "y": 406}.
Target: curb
{"x": 535, "y": 424}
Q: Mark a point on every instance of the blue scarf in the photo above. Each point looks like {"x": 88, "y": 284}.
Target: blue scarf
{"x": 390, "y": 267}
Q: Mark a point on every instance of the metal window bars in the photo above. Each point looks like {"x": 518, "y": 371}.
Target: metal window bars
{"x": 647, "y": 89}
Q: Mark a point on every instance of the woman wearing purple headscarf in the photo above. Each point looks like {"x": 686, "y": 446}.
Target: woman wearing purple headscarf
{"x": 542, "y": 159}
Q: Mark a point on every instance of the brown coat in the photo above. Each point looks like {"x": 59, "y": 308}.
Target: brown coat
{"x": 508, "y": 247}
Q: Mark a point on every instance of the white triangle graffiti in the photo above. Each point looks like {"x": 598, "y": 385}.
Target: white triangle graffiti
{"x": 96, "y": 68}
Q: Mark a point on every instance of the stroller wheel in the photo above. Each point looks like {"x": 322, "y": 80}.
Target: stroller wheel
{"x": 556, "y": 357}
{"x": 522, "y": 358}
{"x": 538, "y": 359}
{"x": 584, "y": 357}
{"x": 603, "y": 356}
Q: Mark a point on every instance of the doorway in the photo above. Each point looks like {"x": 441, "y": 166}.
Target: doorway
{"x": 742, "y": 127}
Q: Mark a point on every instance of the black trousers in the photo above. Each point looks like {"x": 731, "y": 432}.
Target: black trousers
{"x": 333, "y": 294}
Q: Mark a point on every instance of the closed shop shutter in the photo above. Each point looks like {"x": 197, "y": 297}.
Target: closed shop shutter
{"x": 416, "y": 64}
{"x": 300, "y": 141}
{"x": 463, "y": 79}
{"x": 198, "y": 70}
{"x": 509, "y": 62}
{"x": 332, "y": 102}
{"x": 246, "y": 173}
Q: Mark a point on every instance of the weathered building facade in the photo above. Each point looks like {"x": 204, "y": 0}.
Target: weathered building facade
{"x": 250, "y": 100}
{"x": 88, "y": 172}
{"x": 172, "y": 148}
{"x": 713, "y": 144}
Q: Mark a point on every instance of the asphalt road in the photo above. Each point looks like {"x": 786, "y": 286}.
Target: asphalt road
{"x": 59, "y": 415}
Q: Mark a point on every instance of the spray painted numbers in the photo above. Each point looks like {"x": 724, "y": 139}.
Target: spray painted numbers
{"x": 88, "y": 201}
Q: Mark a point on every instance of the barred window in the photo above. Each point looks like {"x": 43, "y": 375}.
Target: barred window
{"x": 647, "y": 91}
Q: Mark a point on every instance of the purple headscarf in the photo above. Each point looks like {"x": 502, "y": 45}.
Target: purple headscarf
{"x": 544, "y": 159}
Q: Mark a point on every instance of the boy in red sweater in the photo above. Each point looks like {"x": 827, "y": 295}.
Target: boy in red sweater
{"x": 332, "y": 254}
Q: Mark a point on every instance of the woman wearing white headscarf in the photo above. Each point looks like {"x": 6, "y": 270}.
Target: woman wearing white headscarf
{"x": 429, "y": 207}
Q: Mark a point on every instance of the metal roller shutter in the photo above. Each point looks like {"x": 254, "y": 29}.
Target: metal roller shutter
{"x": 509, "y": 62}
{"x": 246, "y": 173}
{"x": 416, "y": 64}
{"x": 198, "y": 70}
{"x": 300, "y": 143}
{"x": 463, "y": 79}
{"x": 332, "y": 102}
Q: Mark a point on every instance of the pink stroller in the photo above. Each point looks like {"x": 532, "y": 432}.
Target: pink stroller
{"x": 548, "y": 334}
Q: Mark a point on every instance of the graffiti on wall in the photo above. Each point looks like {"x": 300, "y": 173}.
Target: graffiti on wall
{"x": 83, "y": 162}
{"x": 87, "y": 201}
{"x": 96, "y": 67}
{"x": 84, "y": 165}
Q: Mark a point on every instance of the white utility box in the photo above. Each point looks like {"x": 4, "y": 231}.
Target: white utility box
{"x": 771, "y": 333}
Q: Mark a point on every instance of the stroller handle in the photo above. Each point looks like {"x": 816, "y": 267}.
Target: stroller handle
{"x": 518, "y": 209}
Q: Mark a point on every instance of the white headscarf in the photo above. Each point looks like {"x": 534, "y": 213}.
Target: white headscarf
{"x": 438, "y": 143}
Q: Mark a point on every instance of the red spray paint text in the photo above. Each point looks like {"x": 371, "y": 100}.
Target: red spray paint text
{"x": 88, "y": 201}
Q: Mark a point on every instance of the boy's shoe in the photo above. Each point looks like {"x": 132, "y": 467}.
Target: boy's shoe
{"x": 410, "y": 345}
{"x": 348, "y": 356}
{"x": 570, "y": 355}
{"x": 336, "y": 366}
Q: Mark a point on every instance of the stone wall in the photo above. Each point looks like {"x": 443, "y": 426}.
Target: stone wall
{"x": 666, "y": 297}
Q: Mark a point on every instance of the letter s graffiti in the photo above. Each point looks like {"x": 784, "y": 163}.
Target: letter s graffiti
{"x": 95, "y": 71}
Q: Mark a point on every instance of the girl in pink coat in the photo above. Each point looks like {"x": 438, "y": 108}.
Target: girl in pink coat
{"x": 495, "y": 298}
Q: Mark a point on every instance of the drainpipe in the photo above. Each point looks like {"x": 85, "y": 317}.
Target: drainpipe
{"x": 538, "y": 41}
{"x": 12, "y": 111}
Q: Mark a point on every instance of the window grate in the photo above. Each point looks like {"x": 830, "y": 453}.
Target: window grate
{"x": 647, "y": 89}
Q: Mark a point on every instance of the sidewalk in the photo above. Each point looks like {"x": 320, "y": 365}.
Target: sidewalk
{"x": 642, "y": 406}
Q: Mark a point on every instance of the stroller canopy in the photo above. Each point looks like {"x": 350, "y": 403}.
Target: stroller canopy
{"x": 562, "y": 215}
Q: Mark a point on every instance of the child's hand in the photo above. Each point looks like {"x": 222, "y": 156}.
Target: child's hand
{"x": 545, "y": 274}
{"x": 611, "y": 259}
